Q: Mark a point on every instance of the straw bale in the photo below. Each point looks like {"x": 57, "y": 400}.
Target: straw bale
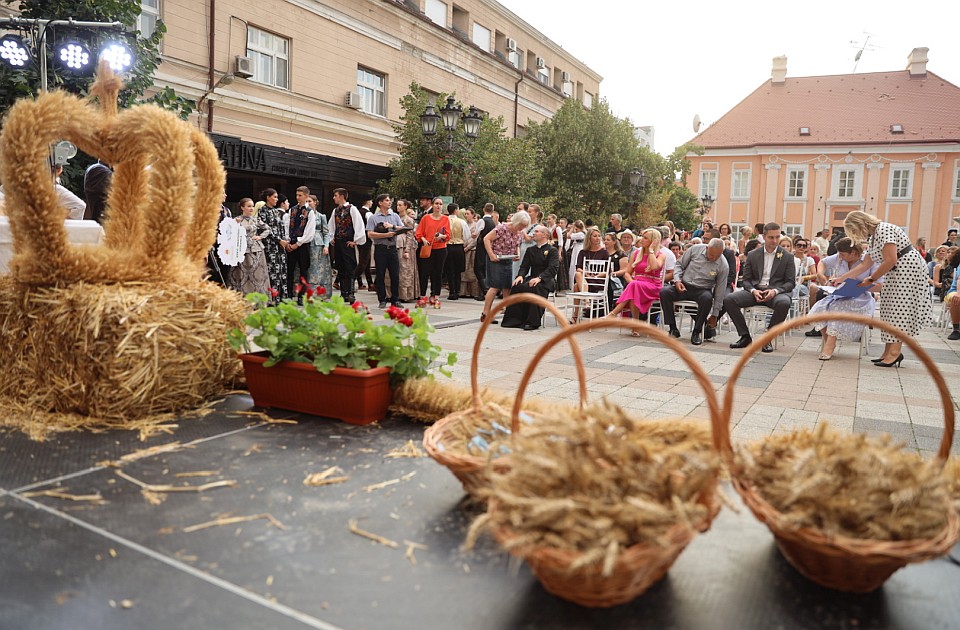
{"x": 598, "y": 481}
{"x": 86, "y": 355}
{"x": 428, "y": 400}
{"x": 859, "y": 486}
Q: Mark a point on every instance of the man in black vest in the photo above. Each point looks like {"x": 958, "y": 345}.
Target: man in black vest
{"x": 480, "y": 258}
{"x": 301, "y": 228}
{"x": 538, "y": 274}
{"x": 346, "y": 225}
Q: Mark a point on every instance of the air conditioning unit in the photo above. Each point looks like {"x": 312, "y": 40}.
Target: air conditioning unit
{"x": 244, "y": 67}
{"x": 353, "y": 100}
{"x": 565, "y": 77}
{"x": 511, "y": 45}
{"x": 541, "y": 62}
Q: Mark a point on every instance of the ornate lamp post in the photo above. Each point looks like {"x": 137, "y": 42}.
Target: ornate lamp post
{"x": 451, "y": 115}
{"x": 706, "y": 202}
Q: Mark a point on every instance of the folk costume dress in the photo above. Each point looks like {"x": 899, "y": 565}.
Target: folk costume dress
{"x": 276, "y": 257}
{"x": 321, "y": 271}
{"x": 251, "y": 275}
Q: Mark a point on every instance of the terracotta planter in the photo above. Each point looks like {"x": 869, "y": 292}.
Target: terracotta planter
{"x": 354, "y": 396}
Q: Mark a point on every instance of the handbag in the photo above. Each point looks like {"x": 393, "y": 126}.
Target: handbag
{"x": 425, "y": 251}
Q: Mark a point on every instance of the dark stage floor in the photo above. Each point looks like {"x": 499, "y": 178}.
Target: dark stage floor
{"x": 134, "y": 561}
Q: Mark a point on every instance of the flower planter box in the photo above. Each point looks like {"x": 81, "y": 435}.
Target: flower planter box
{"x": 354, "y": 396}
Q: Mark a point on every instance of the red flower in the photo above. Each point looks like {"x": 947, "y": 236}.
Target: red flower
{"x": 297, "y": 288}
{"x": 310, "y": 292}
{"x": 321, "y": 291}
{"x": 273, "y": 292}
{"x": 357, "y": 305}
{"x": 304, "y": 281}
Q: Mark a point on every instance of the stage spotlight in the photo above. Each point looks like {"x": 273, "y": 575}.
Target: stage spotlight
{"x": 74, "y": 57}
{"x": 118, "y": 55}
{"x": 13, "y": 52}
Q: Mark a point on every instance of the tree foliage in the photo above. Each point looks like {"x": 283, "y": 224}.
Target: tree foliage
{"x": 493, "y": 168}
{"x": 25, "y": 83}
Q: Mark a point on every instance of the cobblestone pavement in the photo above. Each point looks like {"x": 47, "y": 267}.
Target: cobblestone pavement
{"x": 781, "y": 391}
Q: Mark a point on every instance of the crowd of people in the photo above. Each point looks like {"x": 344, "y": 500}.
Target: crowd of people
{"x": 417, "y": 251}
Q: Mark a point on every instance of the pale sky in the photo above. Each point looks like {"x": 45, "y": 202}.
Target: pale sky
{"x": 664, "y": 62}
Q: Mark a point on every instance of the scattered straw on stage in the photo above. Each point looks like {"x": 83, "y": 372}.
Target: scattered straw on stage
{"x": 598, "y": 503}
{"x": 123, "y": 333}
{"x": 847, "y": 511}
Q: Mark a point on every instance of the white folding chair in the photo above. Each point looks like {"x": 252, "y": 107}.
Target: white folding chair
{"x": 757, "y": 318}
{"x": 596, "y": 276}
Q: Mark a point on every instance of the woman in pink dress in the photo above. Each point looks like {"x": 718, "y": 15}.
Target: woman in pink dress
{"x": 647, "y": 266}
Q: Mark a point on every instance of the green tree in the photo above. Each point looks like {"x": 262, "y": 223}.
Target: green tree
{"x": 682, "y": 207}
{"x": 20, "y": 83}
{"x": 580, "y": 150}
{"x": 491, "y": 168}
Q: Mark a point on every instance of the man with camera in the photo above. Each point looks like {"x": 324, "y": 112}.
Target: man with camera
{"x": 382, "y": 227}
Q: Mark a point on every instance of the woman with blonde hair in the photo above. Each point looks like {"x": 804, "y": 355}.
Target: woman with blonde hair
{"x": 905, "y": 301}
{"x": 747, "y": 233}
{"x": 647, "y": 270}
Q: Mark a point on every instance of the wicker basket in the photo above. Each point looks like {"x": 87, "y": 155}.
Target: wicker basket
{"x": 840, "y": 562}
{"x": 439, "y": 438}
{"x": 640, "y": 566}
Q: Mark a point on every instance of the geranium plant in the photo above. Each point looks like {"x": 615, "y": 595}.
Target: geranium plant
{"x": 331, "y": 333}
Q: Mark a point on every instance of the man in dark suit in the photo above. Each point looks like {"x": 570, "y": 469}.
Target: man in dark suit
{"x": 538, "y": 274}
{"x": 769, "y": 275}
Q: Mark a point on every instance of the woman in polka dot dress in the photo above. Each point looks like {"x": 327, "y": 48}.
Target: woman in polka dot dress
{"x": 905, "y": 299}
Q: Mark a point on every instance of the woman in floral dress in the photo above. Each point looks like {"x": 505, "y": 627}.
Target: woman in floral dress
{"x": 407, "y": 250}
{"x": 251, "y": 276}
{"x": 274, "y": 245}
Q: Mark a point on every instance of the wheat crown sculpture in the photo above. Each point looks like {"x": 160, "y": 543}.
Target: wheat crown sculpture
{"x": 95, "y": 335}
{"x": 139, "y": 244}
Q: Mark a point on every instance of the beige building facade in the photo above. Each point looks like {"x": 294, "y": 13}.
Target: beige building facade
{"x": 307, "y": 91}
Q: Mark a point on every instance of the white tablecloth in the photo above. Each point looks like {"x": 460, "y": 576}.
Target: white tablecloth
{"x": 78, "y": 233}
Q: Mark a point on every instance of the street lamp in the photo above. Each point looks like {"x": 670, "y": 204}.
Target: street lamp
{"x": 706, "y": 202}
{"x": 451, "y": 114}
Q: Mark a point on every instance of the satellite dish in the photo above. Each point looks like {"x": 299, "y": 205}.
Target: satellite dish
{"x": 696, "y": 123}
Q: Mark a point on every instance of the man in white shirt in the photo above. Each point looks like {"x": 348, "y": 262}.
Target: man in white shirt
{"x": 769, "y": 275}
{"x": 300, "y": 227}
{"x": 347, "y": 228}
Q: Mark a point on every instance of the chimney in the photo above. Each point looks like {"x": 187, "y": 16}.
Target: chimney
{"x": 778, "y": 76}
{"x": 917, "y": 62}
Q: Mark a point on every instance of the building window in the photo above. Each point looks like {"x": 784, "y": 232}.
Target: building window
{"x": 543, "y": 74}
{"x": 797, "y": 184}
{"x": 270, "y": 57}
{"x": 149, "y": 15}
{"x": 740, "y": 188}
{"x": 708, "y": 184}
{"x": 516, "y": 58}
{"x": 956, "y": 183}
{"x": 900, "y": 180}
{"x": 588, "y": 100}
{"x": 846, "y": 183}
{"x": 372, "y": 87}
{"x": 792, "y": 229}
{"x": 481, "y": 36}
{"x": 436, "y": 11}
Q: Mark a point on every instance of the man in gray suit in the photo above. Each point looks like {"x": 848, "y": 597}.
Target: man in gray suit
{"x": 769, "y": 275}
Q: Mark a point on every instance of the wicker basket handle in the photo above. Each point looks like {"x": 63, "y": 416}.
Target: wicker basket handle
{"x": 536, "y": 300}
{"x": 801, "y": 322}
{"x": 645, "y": 329}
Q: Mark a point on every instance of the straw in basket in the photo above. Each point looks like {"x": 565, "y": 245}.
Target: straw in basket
{"x": 444, "y": 440}
{"x": 587, "y": 474}
{"x": 841, "y": 562}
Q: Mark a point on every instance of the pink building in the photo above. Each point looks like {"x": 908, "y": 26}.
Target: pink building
{"x": 805, "y": 151}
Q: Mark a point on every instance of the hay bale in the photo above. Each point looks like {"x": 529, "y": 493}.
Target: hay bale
{"x": 428, "y": 400}
{"x": 597, "y": 482}
{"x": 114, "y": 352}
{"x": 858, "y": 486}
